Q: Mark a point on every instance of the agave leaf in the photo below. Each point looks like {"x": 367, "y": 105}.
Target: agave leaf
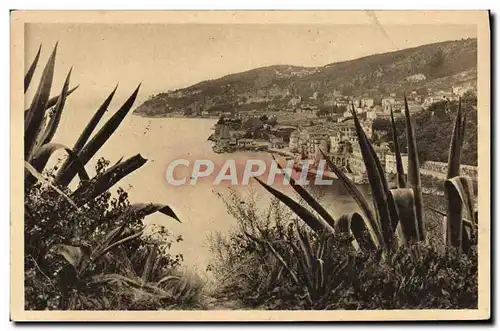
{"x": 122, "y": 241}
{"x": 463, "y": 125}
{"x": 378, "y": 166}
{"x": 85, "y": 135}
{"x": 31, "y": 70}
{"x": 414, "y": 172}
{"x": 39, "y": 136}
{"x": 465, "y": 188}
{"x": 305, "y": 256}
{"x": 168, "y": 278}
{"x": 101, "y": 183}
{"x": 76, "y": 256}
{"x": 55, "y": 118}
{"x": 354, "y": 225}
{"x": 317, "y": 224}
{"x": 148, "y": 265}
{"x": 308, "y": 198}
{"x": 42, "y": 179}
{"x": 145, "y": 209}
{"x": 111, "y": 237}
{"x": 302, "y": 269}
{"x": 52, "y": 101}
{"x": 343, "y": 224}
{"x": 110, "y": 242}
{"x": 455, "y": 146}
{"x": 454, "y": 224}
{"x": 361, "y": 233}
{"x": 305, "y": 245}
{"x": 283, "y": 262}
{"x": 378, "y": 183}
{"x": 94, "y": 121}
{"x": 119, "y": 161}
{"x": 41, "y": 157}
{"x": 36, "y": 111}
{"x": 399, "y": 162}
{"x": 97, "y": 141}
{"x": 405, "y": 207}
{"x": 372, "y": 224}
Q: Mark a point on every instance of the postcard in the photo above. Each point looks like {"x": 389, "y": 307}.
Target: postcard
{"x": 250, "y": 165}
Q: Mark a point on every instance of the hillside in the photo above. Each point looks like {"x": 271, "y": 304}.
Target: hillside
{"x": 280, "y": 87}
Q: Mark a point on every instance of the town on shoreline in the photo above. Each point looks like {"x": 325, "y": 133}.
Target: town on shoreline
{"x": 309, "y": 131}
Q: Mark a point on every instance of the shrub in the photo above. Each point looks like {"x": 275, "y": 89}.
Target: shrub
{"x": 423, "y": 277}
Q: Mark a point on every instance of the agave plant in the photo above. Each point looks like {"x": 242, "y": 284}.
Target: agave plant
{"x": 41, "y": 122}
{"x": 316, "y": 272}
{"x": 396, "y": 217}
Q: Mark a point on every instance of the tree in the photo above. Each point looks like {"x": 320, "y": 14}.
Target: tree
{"x": 436, "y": 64}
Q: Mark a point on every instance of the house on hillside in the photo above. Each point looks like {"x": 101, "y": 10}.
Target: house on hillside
{"x": 416, "y": 78}
{"x": 367, "y": 102}
{"x": 308, "y": 109}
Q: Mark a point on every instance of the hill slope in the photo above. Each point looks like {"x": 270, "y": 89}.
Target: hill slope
{"x": 443, "y": 65}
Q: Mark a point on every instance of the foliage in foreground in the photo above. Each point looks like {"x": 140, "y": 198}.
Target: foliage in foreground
{"x": 83, "y": 249}
{"x": 251, "y": 265}
{"x": 379, "y": 258}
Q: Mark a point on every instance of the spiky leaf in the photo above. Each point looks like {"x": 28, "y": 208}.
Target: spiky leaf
{"x": 405, "y": 207}
{"x": 41, "y": 157}
{"x": 372, "y": 222}
{"x": 36, "y": 112}
{"x": 145, "y": 209}
{"x": 455, "y": 149}
{"x": 31, "y": 70}
{"x": 378, "y": 183}
{"x": 414, "y": 172}
{"x": 55, "y": 117}
{"x": 311, "y": 201}
{"x": 101, "y": 183}
{"x": 90, "y": 148}
{"x": 85, "y": 135}
{"x": 317, "y": 224}
{"x": 399, "y": 162}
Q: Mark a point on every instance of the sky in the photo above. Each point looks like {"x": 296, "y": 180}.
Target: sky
{"x": 170, "y": 56}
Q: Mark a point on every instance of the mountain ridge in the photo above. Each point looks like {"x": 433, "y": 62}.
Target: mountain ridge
{"x": 443, "y": 64}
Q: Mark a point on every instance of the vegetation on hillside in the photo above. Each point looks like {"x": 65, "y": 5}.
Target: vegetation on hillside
{"x": 274, "y": 87}
{"x": 433, "y": 127}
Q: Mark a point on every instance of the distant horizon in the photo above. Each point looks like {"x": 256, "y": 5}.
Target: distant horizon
{"x": 176, "y": 56}
{"x": 315, "y": 67}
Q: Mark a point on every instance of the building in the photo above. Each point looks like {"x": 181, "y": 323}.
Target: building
{"x": 390, "y": 162}
{"x": 309, "y": 110}
{"x": 371, "y": 114}
{"x": 416, "y": 78}
{"x": 294, "y": 142}
{"x": 462, "y": 89}
{"x": 367, "y": 102}
{"x": 277, "y": 142}
{"x": 388, "y": 103}
{"x": 317, "y": 142}
{"x": 367, "y": 126}
{"x": 357, "y": 164}
{"x": 413, "y": 108}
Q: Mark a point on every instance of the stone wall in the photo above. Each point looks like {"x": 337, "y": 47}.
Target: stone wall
{"x": 442, "y": 167}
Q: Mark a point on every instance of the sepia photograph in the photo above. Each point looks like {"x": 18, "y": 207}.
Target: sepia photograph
{"x": 250, "y": 166}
